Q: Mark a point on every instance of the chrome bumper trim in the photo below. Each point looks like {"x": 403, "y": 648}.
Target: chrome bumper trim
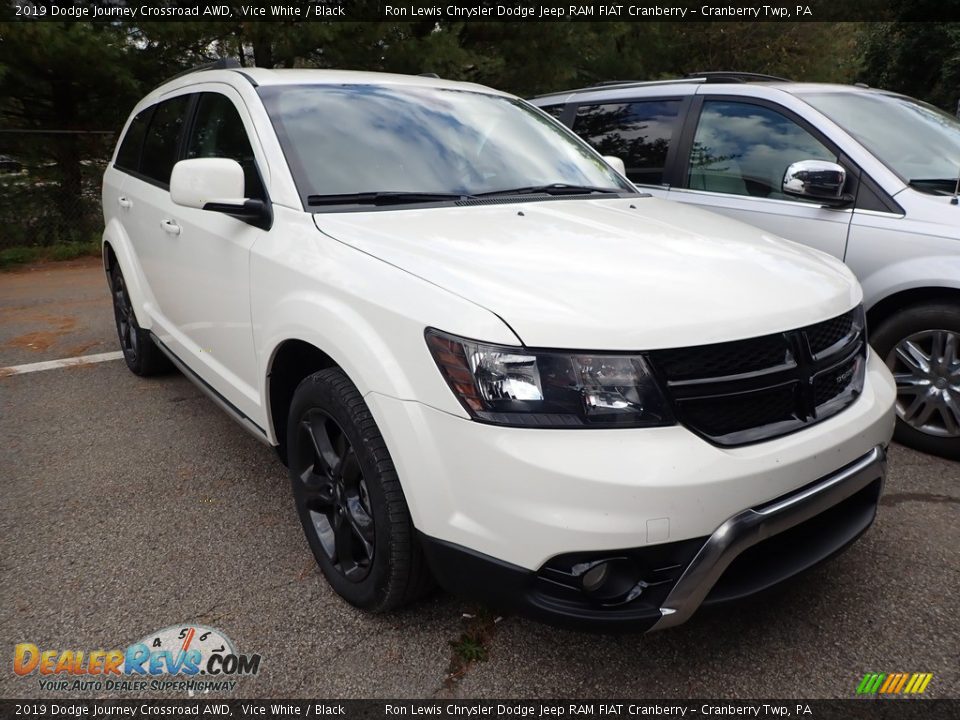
{"x": 754, "y": 525}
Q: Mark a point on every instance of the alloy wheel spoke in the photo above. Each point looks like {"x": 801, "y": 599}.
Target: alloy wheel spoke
{"x": 919, "y": 411}
{"x": 361, "y": 523}
{"x": 913, "y": 357}
{"x": 317, "y": 490}
{"x": 951, "y": 350}
{"x": 326, "y": 457}
{"x": 910, "y": 384}
{"x": 950, "y": 412}
{"x": 343, "y": 535}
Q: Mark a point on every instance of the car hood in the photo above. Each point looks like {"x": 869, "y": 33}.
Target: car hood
{"x": 607, "y": 274}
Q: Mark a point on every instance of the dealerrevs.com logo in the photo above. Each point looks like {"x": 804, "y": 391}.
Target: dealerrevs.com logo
{"x": 180, "y": 658}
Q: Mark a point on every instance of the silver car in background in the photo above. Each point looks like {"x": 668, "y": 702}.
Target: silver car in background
{"x": 868, "y": 176}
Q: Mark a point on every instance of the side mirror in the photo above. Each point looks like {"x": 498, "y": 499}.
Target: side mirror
{"x": 616, "y": 163}
{"x": 818, "y": 181}
{"x": 216, "y": 184}
{"x": 202, "y": 181}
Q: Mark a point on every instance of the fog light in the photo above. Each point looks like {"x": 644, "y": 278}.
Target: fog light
{"x": 594, "y": 578}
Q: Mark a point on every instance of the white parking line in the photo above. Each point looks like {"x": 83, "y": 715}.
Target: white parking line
{"x": 62, "y": 363}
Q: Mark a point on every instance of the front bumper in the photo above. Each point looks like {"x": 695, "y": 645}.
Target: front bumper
{"x": 750, "y": 552}
{"x": 501, "y": 508}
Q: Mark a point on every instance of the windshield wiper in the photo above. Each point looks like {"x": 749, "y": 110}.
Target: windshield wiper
{"x": 383, "y": 197}
{"x": 555, "y": 189}
{"x": 945, "y": 186}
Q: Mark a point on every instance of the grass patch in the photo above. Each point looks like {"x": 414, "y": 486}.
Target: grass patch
{"x": 472, "y": 646}
{"x": 22, "y": 255}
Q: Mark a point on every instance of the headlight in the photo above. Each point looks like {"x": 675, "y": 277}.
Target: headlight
{"x": 517, "y": 386}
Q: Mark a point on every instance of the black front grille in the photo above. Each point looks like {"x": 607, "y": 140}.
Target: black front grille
{"x": 740, "y": 392}
{"x": 825, "y": 335}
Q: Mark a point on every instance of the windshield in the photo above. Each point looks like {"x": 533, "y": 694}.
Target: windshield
{"x": 919, "y": 142}
{"x": 390, "y": 141}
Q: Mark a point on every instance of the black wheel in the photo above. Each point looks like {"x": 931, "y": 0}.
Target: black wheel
{"x": 921, "y": 346}
{"x": 348, "y": 496}
{"x": 141, "y": 355}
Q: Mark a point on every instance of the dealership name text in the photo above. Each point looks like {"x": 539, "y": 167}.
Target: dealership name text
{"x": 596, "y": 709}
{"x": 573, "y": 11}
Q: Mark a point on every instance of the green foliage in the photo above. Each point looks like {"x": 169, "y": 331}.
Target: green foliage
{"x": 917, "y": 59}
{"x": 85, "y": 76}
{"x": 470, "y": 648}
{"x": 18, "y": 256}
{"x": 21, "y": 255}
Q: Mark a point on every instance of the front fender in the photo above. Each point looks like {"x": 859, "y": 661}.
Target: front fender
{"x": 929, "y": 271}
{"x": 366, "y": 315}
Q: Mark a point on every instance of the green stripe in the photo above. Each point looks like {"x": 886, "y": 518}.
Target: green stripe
{"x": 862, "y": 687}
{"x": 879, "y": 681}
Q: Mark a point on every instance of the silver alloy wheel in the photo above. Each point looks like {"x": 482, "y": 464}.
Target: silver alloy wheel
{"x": 926, "y": 366}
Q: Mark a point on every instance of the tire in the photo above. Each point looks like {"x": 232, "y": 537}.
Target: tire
{"x": 140, "y": 353}
{"x": 349, "y": 499}
{"x": 921, "y": 346}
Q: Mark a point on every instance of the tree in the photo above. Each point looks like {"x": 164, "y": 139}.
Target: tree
{"x": 918, "y": 59}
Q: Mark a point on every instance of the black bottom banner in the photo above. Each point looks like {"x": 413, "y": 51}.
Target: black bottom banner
{"x": 894, "y": 709}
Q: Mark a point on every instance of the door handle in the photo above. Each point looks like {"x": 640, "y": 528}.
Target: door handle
{"x": 170, "y": 226}
{"x": 124, "y": 202}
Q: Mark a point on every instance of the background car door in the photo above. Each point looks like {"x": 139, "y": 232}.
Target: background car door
{"x": 733, "y": 161}
{"x": 210, "y": 312}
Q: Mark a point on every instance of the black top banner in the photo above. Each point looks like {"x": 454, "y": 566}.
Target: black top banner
{"x": 482, "y": 11}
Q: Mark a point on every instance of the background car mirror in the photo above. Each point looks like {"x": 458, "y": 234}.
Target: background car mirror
{"x": 616, "y": 163}
{"x": 818, "y": 181}
{"x": 200, "y": 182}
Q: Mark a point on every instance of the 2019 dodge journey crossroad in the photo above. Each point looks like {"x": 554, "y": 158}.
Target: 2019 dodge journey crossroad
{"x": 484, "y": 356}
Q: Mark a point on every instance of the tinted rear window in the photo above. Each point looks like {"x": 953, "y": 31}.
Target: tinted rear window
{"x": 639, "y": 133}
{"x": 163, "y": 137}
{"x": 128, "y": 157}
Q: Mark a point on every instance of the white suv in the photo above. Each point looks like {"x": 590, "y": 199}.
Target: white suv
{"x": 868, "y": 176}
{"x": 483, "y": 355}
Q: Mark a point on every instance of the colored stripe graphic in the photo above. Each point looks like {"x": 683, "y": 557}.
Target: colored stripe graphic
{"x": 894, "y": 683}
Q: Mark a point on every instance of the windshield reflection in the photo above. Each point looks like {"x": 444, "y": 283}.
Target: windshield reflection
{"x": 919, "y": 142}
{"x": 341, "y": 139}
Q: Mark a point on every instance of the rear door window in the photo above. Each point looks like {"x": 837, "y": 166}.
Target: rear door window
{"x": 128, "y": 156}
{"x": 163, "y": 139}
{"x": 639, "y": 133}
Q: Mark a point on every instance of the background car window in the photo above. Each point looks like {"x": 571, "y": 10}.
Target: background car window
{"x": 128, "y": 157}
{"x": 639, "y": 133}
{"x": 163, "y": 136}
{"x": 745, "y": 149}
{"x": 218, "y": 132}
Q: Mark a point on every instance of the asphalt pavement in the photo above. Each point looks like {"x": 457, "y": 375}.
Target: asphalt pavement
{"x": 129, "y": 505}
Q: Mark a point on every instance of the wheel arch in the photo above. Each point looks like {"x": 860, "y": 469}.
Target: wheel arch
{"x": 291, "y": 361}
{"x": 884, "y": 308}
{"x": 116, "y": 250}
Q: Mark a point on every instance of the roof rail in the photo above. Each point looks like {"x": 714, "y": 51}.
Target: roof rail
{"x": 626, "y": 83}
{"x": 221, "y": 64}
{"x": 734, "y": 76}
